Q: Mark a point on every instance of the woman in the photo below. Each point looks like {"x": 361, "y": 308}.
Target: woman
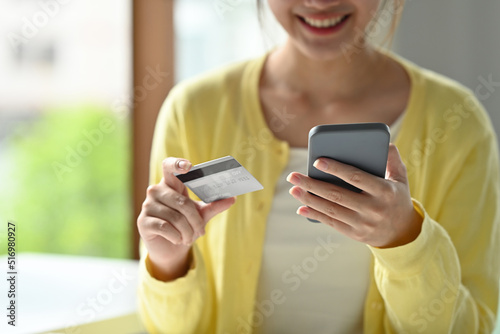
{"x": 412, "y": 253}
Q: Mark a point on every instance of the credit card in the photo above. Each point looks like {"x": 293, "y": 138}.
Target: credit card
{"x": 218, "y": 179}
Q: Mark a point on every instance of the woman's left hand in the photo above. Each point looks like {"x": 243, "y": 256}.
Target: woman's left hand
{"x": 382, "y": 215}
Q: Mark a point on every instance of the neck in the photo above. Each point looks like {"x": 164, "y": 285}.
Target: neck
{"x": 341, "y": 78}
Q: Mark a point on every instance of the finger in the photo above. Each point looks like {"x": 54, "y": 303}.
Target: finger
{"x": 153, "y": 207}
{"x": 175, "y": 165}
{"x": 352, "y": 175}
{"x": 328, "y": 191}
{"x": 333, "y": 210}
{"x": 152, "y": 227}
{"x": 175, "y": 219}
{"x": 208, "y": 211}
{"x": 396, "y": 169}
{"x": 327, "y": 220}
{"x": 184, "y": 206}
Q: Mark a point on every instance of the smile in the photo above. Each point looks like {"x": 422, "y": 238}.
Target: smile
{"x": 327, "y": 23}
{"x": 322, "y": 25}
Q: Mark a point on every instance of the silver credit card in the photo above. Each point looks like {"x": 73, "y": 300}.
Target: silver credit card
{"x": 218, "y": 179}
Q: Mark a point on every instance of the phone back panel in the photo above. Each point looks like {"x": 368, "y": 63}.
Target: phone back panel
{"x": 362, "y": 145}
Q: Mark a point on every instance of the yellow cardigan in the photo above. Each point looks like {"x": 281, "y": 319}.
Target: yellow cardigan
{"x": 445, "y": 281}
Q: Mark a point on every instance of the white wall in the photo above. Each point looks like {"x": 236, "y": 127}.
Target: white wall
{"x": 458, "y": 38}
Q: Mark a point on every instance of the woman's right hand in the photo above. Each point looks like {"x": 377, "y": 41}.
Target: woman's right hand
{"x": 170, "y": 222}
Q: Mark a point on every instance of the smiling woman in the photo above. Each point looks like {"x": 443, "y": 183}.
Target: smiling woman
{"x": 422, "y": 238}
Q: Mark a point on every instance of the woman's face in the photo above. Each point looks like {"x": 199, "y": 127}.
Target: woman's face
{"x": 324, "y": 29}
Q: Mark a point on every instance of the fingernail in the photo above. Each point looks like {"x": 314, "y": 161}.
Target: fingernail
{"x": 295, "y": 192}
{"x": 183, "y": 164}
{"x": 293, "y": 179}
{"x": 302, "y": 210}
{"x": 320, "y": 164}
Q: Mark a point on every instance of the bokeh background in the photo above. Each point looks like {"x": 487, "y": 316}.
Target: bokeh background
{"x": 66, "y": 102}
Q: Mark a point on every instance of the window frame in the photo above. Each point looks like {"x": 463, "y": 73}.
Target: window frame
{"x": 152, "y": 48}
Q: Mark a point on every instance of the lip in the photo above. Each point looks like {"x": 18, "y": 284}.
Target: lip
{"x": 322, "y": 16}
{"x": 323, "y": 31}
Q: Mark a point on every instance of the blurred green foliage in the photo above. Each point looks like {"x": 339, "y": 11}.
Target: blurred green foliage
{"x": 68, "y": 188}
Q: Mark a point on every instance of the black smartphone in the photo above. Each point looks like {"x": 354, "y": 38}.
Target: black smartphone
{"x": 362, "y": 145}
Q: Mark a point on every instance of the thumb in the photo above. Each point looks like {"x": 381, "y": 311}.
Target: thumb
{"x": 396, "y": 169}
{"x": 171, "y": 166}
{"x": 208, "y": 211}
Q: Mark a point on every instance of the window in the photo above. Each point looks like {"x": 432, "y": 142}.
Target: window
{"x": 65, "y": 145}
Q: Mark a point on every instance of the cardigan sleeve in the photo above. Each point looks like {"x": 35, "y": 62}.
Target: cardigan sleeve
{"x": 176, "y": 306}
{"x": 447, "y": 280}
{"x": 179, "y": 306}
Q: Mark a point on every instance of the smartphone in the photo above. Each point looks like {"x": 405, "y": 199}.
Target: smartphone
{"x": 362, "y": 145}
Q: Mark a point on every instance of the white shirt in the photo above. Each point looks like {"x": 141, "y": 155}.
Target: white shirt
{"x": 321, "y": 276}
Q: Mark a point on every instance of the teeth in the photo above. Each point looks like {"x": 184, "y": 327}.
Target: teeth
{"x": 323, "y": 23}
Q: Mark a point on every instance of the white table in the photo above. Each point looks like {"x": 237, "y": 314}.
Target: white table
{"x": 65, "y": 293}
{"x": 74, "y": 295}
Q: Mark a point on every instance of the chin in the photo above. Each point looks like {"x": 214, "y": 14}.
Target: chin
{"x": 323, "y": 53}
{"x": 336, "y": 46}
